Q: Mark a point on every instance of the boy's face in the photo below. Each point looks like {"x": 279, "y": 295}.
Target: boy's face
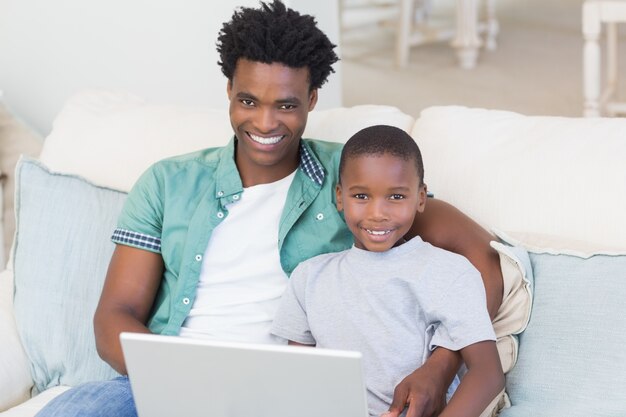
{"x": 269, "y": 105}
{"x": 379, "y": 196}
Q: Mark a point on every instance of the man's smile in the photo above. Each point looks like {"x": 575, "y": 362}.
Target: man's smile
{"x": 270, "y": 140}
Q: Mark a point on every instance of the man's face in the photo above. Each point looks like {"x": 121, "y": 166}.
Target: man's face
{"x": 379, "y": 196}
{"x": 269, "y": 105}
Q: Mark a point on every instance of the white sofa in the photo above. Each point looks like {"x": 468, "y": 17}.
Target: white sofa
{"x": 552, "y": 188}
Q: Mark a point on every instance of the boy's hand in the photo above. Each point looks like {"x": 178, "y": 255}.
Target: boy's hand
{"x": 422, "y": 392}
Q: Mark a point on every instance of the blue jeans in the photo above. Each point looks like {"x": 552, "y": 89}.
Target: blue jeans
{"x": 95, "y": 399}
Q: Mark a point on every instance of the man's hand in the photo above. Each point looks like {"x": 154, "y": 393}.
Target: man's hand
{"x": 421, "y": 392}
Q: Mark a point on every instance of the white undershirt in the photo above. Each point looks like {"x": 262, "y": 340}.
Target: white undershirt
{"x": 241, "y": 280}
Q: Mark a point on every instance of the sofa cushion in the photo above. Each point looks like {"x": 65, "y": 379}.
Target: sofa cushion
{"x": 96, "y": 127}
{"x": 31, "y": 407}
{"x": 62, "y": 251}
{"x": 339, "y": 124}
{"x": 531, "y": 174}
{"x": 572, "y": 359}
{"x": 556, "y": 245}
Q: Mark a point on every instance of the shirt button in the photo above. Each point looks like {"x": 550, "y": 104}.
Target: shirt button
{"x": 236, "y": 197}
{"x": 320, "y": 216}
{"x": 185, "y": 301}
{"x": 198, "y": 257}
{"x": 220, "y": 193}
{"x": 220, "y": 215}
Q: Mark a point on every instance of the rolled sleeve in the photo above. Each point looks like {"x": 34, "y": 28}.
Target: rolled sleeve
{"x": 140, "y": 223}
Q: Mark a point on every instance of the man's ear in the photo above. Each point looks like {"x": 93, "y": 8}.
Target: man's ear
{"x": 338, "y": 197}
{"x": 421, "y": 198}
{"x": 229, "y": 88}
{"x": 312, "y": 99}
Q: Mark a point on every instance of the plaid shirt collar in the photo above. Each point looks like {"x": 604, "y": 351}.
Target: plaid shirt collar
{"x": 310, "y": 165}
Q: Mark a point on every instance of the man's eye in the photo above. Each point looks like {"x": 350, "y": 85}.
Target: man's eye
{"x": 287, "y": 106}
{"x": 247, "y": 103}
{"x": 397, "y": 196}
{"x": 360, "y": 196}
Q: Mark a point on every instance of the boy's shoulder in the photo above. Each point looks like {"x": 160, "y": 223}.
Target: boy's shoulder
{"x": 442, "y": 260}
{"x": 419, "y": 256}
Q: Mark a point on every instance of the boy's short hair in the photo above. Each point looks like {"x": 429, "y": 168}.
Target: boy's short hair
{"x": 380, "y": 140}
{"x": 274, "y": 33}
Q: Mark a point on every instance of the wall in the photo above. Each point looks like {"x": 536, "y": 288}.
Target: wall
{"x": 162, "y": 50}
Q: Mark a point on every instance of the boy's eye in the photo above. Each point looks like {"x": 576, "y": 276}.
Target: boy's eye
{"x": 397, "y": 197}
{"x": 360, "y": 196}
{"x": 247, "y": 102}
{"x": 287, "y": 106}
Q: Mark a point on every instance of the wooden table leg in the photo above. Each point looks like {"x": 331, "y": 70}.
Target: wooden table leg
{"x": 493, "y": 28}
{"x": 404, "y": 32}
{"x": 466, "y": 41}
{"x": 591, "y": 59}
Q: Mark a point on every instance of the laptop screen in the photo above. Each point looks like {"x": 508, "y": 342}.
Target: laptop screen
{"x": 176, "y": 376}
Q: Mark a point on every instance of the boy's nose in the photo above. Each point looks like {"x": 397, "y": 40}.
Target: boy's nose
{"x": 378, "y": 210}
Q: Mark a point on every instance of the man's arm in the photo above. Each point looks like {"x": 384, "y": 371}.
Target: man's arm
{"x": 129, "y": 291}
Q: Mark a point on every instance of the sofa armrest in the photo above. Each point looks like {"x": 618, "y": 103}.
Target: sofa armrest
{"x": 15, "y": 379}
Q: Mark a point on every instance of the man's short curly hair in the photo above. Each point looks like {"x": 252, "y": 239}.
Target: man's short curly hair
{"x": 275, "y": 33}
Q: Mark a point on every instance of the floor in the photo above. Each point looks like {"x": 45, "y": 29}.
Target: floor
{"x": 536, "y": 69}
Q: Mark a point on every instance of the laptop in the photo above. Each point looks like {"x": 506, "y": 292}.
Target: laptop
{"x": 176, "y": 376}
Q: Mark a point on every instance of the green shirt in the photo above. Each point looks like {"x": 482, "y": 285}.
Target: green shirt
{"x": 175, "y": 205}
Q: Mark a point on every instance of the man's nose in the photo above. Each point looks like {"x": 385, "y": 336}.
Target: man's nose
{"x": 266, "y": 121}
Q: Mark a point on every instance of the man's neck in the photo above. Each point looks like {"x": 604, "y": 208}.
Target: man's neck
{"x": 257, "y": 174}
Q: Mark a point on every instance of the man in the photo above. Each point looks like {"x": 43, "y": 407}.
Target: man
{"x": 206, "y": 241}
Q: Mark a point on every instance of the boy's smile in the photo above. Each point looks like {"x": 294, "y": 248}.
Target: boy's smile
{"x": 269, "y": 106}
{"x": 379, "y": 195}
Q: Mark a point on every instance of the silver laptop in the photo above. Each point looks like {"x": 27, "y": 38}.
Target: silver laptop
{"x": 175, "y": 376}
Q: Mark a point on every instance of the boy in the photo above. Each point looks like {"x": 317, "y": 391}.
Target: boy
{"x": 393, "y": 300}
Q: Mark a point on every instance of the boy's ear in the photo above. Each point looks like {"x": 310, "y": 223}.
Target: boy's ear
{"x": 229, "y": 87}
{"x": 421, "y": 198}
{"x": 338, "y": 197}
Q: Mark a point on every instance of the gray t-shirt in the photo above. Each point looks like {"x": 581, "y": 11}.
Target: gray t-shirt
{"x": 394, "y": 307}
